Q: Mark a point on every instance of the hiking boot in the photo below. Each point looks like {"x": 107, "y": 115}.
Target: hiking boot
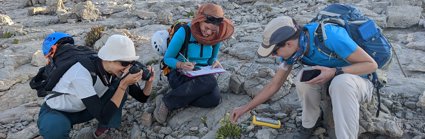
{"x": 100, "y": 133}
{"x": 307, "y": 133}
{"x": 161, "y": 111}
{"x": 304, "y": 133}
{"x": 89, "y": 133}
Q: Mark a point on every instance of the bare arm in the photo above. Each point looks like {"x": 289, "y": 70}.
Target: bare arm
{"x": 269, "y": 90}
{"x": 361, "y": 63}
{"x": 122, "y": 87}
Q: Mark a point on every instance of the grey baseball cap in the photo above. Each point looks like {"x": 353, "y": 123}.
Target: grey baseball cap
{"x": 278, "y": 30}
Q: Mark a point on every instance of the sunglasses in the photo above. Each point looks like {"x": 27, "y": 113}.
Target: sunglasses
{"x": 274, "y": 51}
{"x": 213, "y": 20}
{"x": 126, "y": 63}
{"x": 278, "y": 45}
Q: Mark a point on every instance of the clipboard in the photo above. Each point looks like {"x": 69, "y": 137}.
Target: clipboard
{"x": 203, "y": 71}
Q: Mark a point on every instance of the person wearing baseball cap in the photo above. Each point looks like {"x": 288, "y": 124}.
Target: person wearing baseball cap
{"x": 92, "y": 88}
{"x": 343, "y": 74}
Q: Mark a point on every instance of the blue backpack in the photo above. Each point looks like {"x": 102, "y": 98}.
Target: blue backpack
{"x": 362, "y": 30}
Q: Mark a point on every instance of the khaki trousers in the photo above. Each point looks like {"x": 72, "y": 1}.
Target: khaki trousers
{"x": 346, "y": 92}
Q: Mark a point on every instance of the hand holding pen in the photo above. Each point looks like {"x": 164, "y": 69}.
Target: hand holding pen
{"x": 186, "y": 64}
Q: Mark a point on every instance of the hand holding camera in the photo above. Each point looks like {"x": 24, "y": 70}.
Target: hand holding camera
{"x": 136, "y": 75}
{"x": 137, "y": 66}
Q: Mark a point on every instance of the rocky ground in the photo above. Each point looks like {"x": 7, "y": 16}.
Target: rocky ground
{"x": 24, "y": 24}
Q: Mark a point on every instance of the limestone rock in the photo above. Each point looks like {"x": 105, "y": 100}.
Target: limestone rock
{"x": 36, "y": 10}
{"x": 145, "y": 15}
{"x": 35, "y": 2}
{"x": 99, "y": 43}
{"x": 165, "y": 17}
{"x": 135, "y": 132}
{"x": 398, "y": 17}
{"x": 29, "y": 132}
{"x": 86, "y": 11}
{"x": 265, "y": 133}
{"x": 147, "y": 119}
{"x": 55, "y": 7}
{"x": 421, "y": 102}
{"x": 38, "y": 59}
{"x": 5, "y": 20}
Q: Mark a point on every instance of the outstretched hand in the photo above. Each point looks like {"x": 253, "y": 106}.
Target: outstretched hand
{"x": 236, "y": 113}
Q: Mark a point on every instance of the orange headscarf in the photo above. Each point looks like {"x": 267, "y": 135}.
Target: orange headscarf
{"x": 225, "y": 28}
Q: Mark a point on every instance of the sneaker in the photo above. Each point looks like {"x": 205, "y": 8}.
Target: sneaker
{"x": 161, "y": 111}
{"x": 100, "y": 133}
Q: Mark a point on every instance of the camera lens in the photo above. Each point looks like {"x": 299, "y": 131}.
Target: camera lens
{"x": 146, "y": 73}
{"x": 137, "y": 66}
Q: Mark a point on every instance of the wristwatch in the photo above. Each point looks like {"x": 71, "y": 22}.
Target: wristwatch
{"x": 338, "y": 71}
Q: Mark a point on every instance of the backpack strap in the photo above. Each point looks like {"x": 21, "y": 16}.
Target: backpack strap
{"x": 186, "y": 40}
{"x": 378, "y": 86}
{"x": 58, "y": 72}
{"x": 183, "y": 49}
{"x": 89, "y": 64}
{"x": 319, "y": 40}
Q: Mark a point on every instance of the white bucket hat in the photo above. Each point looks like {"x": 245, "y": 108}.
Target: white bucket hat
{"x": 118, "y": 48}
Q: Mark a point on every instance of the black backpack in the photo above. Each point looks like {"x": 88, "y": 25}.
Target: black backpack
{"x": 66, "y": 56}
{"x": 172, "y": 30}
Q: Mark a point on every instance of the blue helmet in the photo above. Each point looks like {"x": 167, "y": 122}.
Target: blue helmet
{"x": 52, "y": 39}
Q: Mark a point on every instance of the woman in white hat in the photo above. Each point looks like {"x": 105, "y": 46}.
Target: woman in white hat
{"x": 83, "y": 100}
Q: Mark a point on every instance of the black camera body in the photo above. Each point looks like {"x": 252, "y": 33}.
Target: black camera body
{"x": 137, "y": 66}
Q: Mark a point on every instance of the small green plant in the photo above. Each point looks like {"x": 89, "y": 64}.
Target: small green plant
{"x": 190, "y": 14}
{"x": 333, "y": 1}
{"x": 94, "y": 35}
{"x": 15, "y": 41}
{"x": 227, "y": 129}
{"x": 6, "y": 35}
{"x": 204, "y": 120}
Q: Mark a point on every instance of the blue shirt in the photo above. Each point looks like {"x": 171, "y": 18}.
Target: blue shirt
{"x": 209, "y": 53}
{"x": 338, "y": 41}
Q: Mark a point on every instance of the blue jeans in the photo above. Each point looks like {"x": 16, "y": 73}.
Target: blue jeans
{"x": 54, "y": 124}
{"x": 200, "y": 91}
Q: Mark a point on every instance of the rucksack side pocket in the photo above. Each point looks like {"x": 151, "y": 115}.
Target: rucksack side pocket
{"x": 368, "y": 30}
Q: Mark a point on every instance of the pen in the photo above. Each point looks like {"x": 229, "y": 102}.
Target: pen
{"x": 186, "y": 60}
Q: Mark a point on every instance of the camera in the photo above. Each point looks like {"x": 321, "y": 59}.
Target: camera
{"x": 137, "y": 66}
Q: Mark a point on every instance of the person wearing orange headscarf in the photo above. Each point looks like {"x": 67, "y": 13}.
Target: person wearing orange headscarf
{"x": 208, "y": 29}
